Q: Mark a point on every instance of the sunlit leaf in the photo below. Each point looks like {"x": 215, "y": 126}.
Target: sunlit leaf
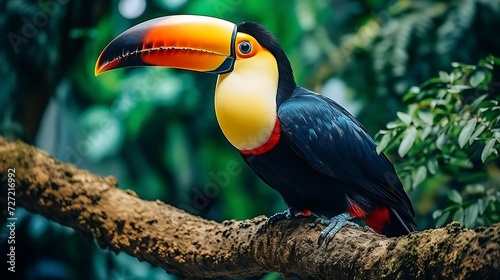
{"x": 432, "y": 165}
{"x": 453, "y": 77}
{"x": 419, "y": 176}
{"x": 483, "y": 109}
{"x": 394, "y": 124}
{"x": 407, "y": 142}
{"x": 414, "y": 90}
{"x": 426, "y": 117}
{"x": 437, "y": 213}
{"x": 476, "y": 133}
{"x": 477, "y": 78}
{"x": 488, "y": 149}
{"x": 383, "y": 143}
{"x": 445, "y": 77}
{"x": 455, "y": 196}
{"x": 466, "y": 132}
{"x": 457, "y": 88}
{"x": 383, "y": 132}
{"x": 425, "y": 132}
{"x": 405, "y": 118}
{"x": 474, "y": 189}
{"x": 442, "y": 138}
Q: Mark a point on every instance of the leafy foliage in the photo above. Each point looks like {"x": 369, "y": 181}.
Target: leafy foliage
{"x": 399, "y": 44}
{"x": 451, "y": 128}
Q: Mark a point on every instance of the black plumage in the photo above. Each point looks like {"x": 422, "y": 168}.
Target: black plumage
{"x": 325, "y": 160}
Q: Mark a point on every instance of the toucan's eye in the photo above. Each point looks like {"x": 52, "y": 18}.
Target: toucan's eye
{"x": 245, "y": 47}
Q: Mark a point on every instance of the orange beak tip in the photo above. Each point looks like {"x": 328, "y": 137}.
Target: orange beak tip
{"x": 97, "y": 67}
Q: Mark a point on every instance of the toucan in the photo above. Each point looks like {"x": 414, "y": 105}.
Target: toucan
{"x": 304, "y": 145}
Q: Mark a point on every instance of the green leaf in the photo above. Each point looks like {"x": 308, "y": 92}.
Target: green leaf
{"x": 495, "y": 60}
{"x": 405, "y": 118}
{"x": 477, "y": 101}
{"x": 460, "y": 162}
{"x": 451, "y": 207}
{"x": 425, "y": 132}
{"x": 382, "y": 132}
{"x": 426, "y": 117}
{"x": 383, "y": 143}
{"x": 442, "y": 138}
{"x": 459, "y": 215}
{"x": 488, "y": 149}
{"x": 471, "y": 214}
{"x": 482, "y": 205}
{"x": 419, "y": 176}
{"x": 442, "y": 219}
{"x": 455, "y": 196}
{"x": 432, "y": 165}
{"x": 477, "y": 78}
{"x": 445, "y": 77}
{"x": 453, "y": 77}
{"x": 414, "y": 90}
{"x": 466, "y": 132}
{"x": 437, "y": 213}
{"x": 458, "y": 88}
{"x": 394, "y": 124}
{"x": 431, "y": 83}
{"x": 407, "y": 142}
{"x": 476, "y": 133}
{"x": 475, "y": 189}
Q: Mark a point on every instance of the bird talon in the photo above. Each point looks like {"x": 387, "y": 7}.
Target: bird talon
{"x": 323, "y": 221}
{"x": 285, "y": 215}
{"x": 333, "y": 225}
{"x": 352, "y": 224}
{"x": 288, "y": 214}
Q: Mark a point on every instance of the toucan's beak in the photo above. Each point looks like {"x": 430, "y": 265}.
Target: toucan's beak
{"x": 196, "y": 43}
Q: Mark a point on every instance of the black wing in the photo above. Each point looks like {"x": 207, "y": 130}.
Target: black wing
{"x": 335, "y": 143}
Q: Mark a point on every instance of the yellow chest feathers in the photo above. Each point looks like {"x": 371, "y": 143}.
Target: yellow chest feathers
{"x": 245, "y": 101}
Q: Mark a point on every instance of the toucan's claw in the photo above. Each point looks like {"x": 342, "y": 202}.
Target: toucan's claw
{"x": 333, "y": 226}
{"x": 285, "y": 215}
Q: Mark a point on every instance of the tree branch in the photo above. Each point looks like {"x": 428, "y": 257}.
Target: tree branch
{"x": 193, "y": 247}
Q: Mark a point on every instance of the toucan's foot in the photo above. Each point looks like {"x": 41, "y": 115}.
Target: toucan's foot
{"x": 286, "y": 215}
{"x": 333, "y": 226}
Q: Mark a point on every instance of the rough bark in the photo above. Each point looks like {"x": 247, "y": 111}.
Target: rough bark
{"x": 193, "y": 247}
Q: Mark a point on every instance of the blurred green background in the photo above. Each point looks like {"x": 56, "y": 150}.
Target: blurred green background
{"x": 155, "y": 130}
